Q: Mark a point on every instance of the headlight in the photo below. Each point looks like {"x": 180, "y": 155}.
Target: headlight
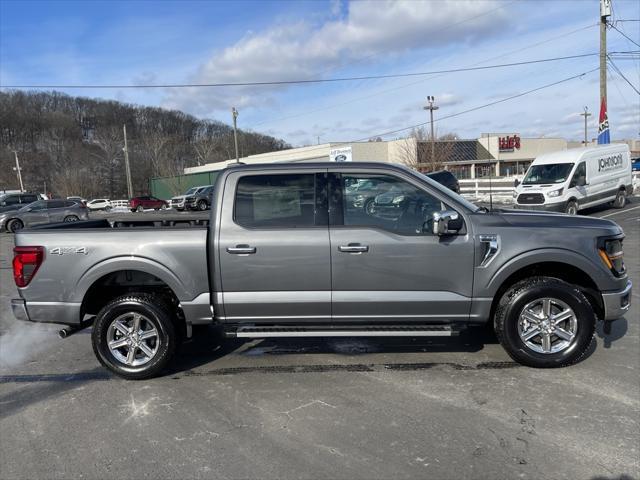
{"x": 515, "y": 194}
{"x": 555, "y": 193}
{"x": 612, "y": 255}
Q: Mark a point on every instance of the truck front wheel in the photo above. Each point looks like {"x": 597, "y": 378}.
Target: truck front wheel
{"x": 134, "y": 336}
{"x": 545, "y": 322}
{"x": 572, "y": 208}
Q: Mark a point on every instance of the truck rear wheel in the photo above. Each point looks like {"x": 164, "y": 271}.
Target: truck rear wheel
{"x": 134, "y": 336}
{"x": 620, "y": 200}
{"x": 545, "y": 322}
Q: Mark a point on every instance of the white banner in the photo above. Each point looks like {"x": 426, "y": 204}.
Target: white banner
{"x": 340, "y": 154}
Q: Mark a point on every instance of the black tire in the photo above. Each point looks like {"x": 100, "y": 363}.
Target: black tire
{"x": 139, "y": 209}
{"x": 158, "y": 313}
{"x": 508, "y": 312}
{"x": 14, "y": 225}
{"x": 202, "y": 205}
{"x": 620, "y": 200}
{"x": 369, "y": 206}
{"x": 107, "y": 209}
{"x": 571, "y": 208}
{"x": 71, "y": 218}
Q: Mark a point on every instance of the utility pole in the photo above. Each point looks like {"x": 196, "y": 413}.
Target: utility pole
{"x": 18, "y": 170}
{"x": 431, "y": 107}
{"x": 126, "y": 163}
{"x": 234, "y": 112}
{"x": 585, "y": 115}
{"x": 605, "y": 12}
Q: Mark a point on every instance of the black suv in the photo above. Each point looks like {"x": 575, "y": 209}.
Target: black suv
{"x": 201, "y": 200}
{"x": 15, "y": 201}
{"x": 446, "y": 178}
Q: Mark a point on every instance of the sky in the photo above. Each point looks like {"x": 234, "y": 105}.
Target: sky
{"x": 193, "y": 42}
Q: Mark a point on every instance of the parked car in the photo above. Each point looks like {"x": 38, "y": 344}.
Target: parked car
{"x": 446, "y": 178}
{"x": 635, "y": 164}
{"x": 578, "y": 178}
{"x": 99, "y": 204}
{"x": 200, "y": 199}
{"x": 178, "y": 202}
{"x": 145, "y": 202}
{"x": 17, "y": 199}
{"x": 78, "y": 199}
{"x": 283, "y": 257}
{"x": 41, "y": 212}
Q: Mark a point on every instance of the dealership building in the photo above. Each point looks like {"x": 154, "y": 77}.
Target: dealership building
{"x": 495, "y": 154}
{"x": 505, "y": 154}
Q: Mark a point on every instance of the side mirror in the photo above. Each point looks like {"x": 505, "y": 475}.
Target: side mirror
{"x": 447, "y": 222}
{"x": 516, "y": 182}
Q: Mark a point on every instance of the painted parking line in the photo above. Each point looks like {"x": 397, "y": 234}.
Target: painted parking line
{"x": 621, "y": 211}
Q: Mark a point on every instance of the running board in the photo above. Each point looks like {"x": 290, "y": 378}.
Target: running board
{"x": 370, "y": 331}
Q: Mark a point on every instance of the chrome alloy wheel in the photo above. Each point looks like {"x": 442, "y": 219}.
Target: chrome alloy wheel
{"x": 547, "y": 325}
{"x": 132, "y": 339}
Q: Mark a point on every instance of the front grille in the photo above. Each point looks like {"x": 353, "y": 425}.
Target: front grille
{"x": 530, "y": 198}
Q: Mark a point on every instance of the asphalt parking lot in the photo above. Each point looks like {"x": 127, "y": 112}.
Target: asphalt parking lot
{"x": 339, "y": 408}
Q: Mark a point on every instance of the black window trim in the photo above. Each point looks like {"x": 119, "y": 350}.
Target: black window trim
{"x": 320, "y": 184}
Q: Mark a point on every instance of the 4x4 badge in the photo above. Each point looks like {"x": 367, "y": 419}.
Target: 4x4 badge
{"x": 67, "y": 250}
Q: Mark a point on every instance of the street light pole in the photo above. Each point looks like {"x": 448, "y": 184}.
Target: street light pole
{"x": 585, "y": 115}
{"x": 18, "y": 170}
{"x": 431, "y": 107}
{"x": 234, "y": 112}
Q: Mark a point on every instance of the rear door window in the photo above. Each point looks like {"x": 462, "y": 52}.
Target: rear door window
{"x": 276, "y": 201}
{"x": 57, "y": 204}
{"x": 28, "y": 199}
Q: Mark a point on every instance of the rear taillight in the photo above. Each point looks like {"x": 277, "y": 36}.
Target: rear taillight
{"x": 26, "y": 261}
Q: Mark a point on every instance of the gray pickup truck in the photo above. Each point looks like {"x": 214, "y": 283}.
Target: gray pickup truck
{"x": 326, "y": 250}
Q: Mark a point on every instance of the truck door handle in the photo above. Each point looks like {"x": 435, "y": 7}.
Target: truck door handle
{"x": 241, "y": 250}
{"x": 353, "y": 248}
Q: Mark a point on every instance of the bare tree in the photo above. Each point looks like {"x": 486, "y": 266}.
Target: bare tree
{"x": 75, "y": 144}
{"x": 110, "y": 142}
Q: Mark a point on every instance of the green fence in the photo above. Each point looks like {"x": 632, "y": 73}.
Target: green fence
{"x": 167, "y": 187}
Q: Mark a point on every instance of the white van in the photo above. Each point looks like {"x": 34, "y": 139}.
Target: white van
{"x": 570, "y": 180}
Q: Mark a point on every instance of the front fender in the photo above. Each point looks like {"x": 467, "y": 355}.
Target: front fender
{"x": 602, "y": 278}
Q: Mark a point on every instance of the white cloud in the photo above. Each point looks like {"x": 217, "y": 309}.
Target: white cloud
{"x": 371, "y": 31}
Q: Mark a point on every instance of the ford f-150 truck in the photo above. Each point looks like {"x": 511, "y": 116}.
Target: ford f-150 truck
{"x": 288, "y": 252}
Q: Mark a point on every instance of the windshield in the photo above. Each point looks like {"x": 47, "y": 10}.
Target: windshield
{"x": 191, "y": 190}
{"x": 551, "y": 173}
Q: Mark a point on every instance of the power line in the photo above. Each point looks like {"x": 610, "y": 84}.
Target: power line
{"x": 320, "y": 80}
{"x": 617, "y": 70}
{"x": 624, "y": 35}
{"x": 405, "y": 85}
{"x": 490, "y": 104}
{"x": 457, "y": 114}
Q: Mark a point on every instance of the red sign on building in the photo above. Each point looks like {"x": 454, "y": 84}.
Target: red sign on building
{"x": 509, "y": 143}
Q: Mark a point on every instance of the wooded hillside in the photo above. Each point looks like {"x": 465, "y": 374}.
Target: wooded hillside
{"x": 75, "y": 144}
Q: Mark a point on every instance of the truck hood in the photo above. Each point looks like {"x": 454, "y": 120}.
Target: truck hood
{"x": 538, "y": 219}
